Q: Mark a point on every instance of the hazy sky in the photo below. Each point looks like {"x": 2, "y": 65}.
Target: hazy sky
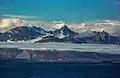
{"x": 65, "y": 10}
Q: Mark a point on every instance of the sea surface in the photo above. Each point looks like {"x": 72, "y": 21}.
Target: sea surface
{"x": 29, "y": 69}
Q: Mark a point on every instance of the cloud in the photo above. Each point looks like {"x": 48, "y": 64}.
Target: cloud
{"x": 8, "y": 23}
{"x": 58, "y": 24}
{"x": 20, "y": 16}
{"x": 5, "y": 24}
{"x": 117, "y": 2}
{"x": 111, "y": 26}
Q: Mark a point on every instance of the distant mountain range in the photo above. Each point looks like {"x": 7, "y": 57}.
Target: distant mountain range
{"x": 64, "y": 34}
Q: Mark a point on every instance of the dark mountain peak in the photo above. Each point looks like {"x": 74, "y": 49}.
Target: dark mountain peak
{"x": 65, "y": 28}
{"x": 64, "y": 32}
{"x": 65, "y": 25}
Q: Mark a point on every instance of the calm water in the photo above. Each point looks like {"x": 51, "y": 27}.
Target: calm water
{"x": 18, "y": 69}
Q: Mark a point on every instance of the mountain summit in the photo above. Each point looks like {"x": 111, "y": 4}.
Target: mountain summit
{"x": 64, "y": 32}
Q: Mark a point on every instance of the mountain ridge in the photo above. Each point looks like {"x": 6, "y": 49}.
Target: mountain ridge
{"x": 64, "y": 34}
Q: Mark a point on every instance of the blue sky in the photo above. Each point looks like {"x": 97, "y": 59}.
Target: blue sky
{"x": 65, "y": 10}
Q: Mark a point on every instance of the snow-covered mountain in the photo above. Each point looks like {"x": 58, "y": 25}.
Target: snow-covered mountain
{"x": 64, "y": 34}
{"x": 23, "y": 33}
{"x": 94, "y": 37}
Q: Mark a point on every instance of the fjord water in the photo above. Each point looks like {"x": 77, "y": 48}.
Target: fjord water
{"x": 24, "y": 69}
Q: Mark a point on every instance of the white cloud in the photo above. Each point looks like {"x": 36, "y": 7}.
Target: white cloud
{"x": 20, "y": 16}
{"x": 117, "y": 2}
{"x": 111, "y": 26}
{"x": 58, "y": 24}
{"x": 7, "y": 23}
